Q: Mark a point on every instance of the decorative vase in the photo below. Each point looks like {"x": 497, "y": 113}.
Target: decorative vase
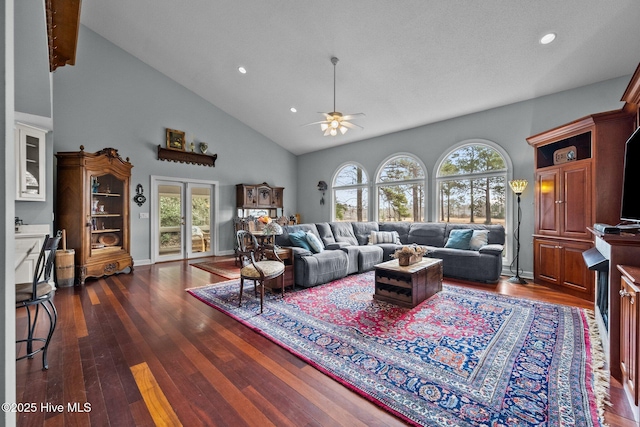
{"x": 405, "y": 260}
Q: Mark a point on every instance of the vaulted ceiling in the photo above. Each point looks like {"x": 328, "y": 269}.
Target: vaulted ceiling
{"x": 402, "y": 63}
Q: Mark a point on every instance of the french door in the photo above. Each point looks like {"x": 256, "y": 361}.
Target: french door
{"x": 183, "y": 219}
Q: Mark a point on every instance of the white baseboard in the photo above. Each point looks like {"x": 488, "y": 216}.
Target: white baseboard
{"x": 137, "y": 262}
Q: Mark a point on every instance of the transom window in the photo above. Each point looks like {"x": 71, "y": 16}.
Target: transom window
{"x": 471, "y": 183}
{"x": 400, "y": 188}
{"x": 351, "y": 194}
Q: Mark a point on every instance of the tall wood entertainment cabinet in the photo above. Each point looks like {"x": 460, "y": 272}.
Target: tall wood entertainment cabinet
{"x": 578, "y": 182}
{"x": 92, "y": 204}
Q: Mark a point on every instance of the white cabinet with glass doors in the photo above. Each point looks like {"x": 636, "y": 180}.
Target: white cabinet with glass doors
{"x": 30, "y": 163}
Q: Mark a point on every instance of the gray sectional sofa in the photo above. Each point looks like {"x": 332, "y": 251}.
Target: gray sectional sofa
{"x": 347, "y": 249}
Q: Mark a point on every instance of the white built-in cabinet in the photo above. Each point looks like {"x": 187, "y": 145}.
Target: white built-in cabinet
{"x": 30, "y": 163}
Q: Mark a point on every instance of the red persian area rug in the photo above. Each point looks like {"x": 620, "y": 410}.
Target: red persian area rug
{"x": 227, "y": 268}
{"x": 462, "y": 358}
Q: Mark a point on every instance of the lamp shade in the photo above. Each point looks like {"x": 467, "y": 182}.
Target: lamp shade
{"x": 518, "y": 185}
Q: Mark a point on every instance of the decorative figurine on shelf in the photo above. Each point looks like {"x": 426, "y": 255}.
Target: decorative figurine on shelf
{"x": 94, "y": 204}
{"x": 95, "y": 185}
{"x": 204, "y": 147}
{"x": 192, "y": 147}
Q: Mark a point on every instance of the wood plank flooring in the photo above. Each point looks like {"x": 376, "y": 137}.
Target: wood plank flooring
{"x": 137, "y": 350}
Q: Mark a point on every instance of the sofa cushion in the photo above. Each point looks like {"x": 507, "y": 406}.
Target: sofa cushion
{"x": 321, "y": 268}
{"x": 299, "y": 239}
{"x": 377, "y": 237}
{"x": 492, "y": 249}
{"x": 362, "y": 231}
{"x": 496, "y": 231}
{"x": 343, "y": 232}
{"x": 402, "y": 228}
{"x": 479, "y": 239}
{"x": 427, "y": 233}
{"x": 325, "y": 233}
{"x": 459, "y": 239}
{"x": 368, "y": 257}
{"x": 314, "y": 242}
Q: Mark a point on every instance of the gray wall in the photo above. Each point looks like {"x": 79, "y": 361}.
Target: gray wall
{"x": 33, "y": 94}
{"x": 506, "y": 126}
{"x": 111, "y": 99}
{"x": 32, "y": 82}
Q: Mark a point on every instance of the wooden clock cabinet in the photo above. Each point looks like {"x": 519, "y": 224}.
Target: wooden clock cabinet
{"x": 92, "y": 205}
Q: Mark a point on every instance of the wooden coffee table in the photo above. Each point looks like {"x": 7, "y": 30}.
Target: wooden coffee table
{"x": 408, "y": 286}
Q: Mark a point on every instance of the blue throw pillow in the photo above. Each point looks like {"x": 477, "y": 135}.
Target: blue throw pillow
{"x": 299, "y": 239}
{"x": 315, "y": 243}
{"x": 459, "y": 239}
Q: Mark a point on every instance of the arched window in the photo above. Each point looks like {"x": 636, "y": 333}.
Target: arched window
{"x": 472, "y": 185}
{"x": 400, "y": 189}
{"x": 350, "y": 194}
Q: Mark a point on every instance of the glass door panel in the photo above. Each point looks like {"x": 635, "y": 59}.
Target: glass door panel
{"x": 182, "y": 218}
{"x": 200, "y": 215}
{"x": 171, "y": 221}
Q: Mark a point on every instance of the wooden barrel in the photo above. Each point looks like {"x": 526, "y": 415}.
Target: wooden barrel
{"x": 65, "y": 267}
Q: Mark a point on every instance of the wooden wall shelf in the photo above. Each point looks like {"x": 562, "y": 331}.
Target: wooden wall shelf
{"x": 186, "y": 157}
{"x": 63, "y": 24}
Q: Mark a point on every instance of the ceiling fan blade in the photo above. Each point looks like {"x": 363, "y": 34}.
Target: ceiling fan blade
{"x": 326, "y": 115}
{"x": 350, "y": 125}
{"x": 352, "y": 116}
{"x": 317, "y": 123}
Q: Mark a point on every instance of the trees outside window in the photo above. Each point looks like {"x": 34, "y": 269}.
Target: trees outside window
{"x": 400, "y": 188}
{"x": 350, "y": 194}
{"x": 471, "y": 184}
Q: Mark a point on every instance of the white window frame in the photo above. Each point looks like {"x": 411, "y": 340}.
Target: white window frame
{"x": 507, "y": 173}
{"x": 366, "y": 185}
{"x": 377, "y": 184}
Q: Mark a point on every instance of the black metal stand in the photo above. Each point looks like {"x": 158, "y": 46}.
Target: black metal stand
{"x": 517, "y": 278}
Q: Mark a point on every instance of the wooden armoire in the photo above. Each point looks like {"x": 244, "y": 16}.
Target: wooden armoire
{"x": 92, "y": 205}
{"x": 578, "y": 182}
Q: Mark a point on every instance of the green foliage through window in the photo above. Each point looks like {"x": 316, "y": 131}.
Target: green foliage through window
{"x": 472, "y": 186}
{"x": 400, "y": 187}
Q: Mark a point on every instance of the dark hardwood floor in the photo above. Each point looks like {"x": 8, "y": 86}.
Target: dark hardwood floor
{"x": 141, "y": 351}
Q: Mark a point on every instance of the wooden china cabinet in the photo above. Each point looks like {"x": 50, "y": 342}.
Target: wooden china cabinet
{"x": 92, "y": 205}
{"x": 259, "y": 196}
{"x": 578, "y": 182}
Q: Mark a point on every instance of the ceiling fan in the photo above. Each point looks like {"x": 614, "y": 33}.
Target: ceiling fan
{"x": 335, "y": 121}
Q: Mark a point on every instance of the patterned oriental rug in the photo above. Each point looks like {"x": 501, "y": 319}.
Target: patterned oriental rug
{"x": 227, "y": 268}
{"x": 462, "y": 358}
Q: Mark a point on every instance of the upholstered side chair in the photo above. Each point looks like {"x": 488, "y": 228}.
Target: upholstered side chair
{"x": 254, "y": 265}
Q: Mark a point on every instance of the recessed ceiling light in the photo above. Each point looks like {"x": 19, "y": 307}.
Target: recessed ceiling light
{"x": 548, "y": 38}
{"x": 293, "y": 110}
{"x": 242, "y": 70}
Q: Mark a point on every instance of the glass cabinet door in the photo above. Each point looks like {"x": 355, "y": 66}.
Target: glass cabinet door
{"x": 30, "y": 165}
{"x": 106, "y": 214}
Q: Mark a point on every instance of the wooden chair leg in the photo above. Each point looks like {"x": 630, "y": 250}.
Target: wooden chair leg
{"x": 261, "y": 295}
{"x": 241, "y": 289}
{"x": 282, "y": 278}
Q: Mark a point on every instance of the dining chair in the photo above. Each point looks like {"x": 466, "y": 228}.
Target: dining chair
{"x": 39, "y": 292}
{"x": 254, "y": 265}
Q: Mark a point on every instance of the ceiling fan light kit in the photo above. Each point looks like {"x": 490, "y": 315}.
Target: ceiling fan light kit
{"x": 336, "y": 121}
